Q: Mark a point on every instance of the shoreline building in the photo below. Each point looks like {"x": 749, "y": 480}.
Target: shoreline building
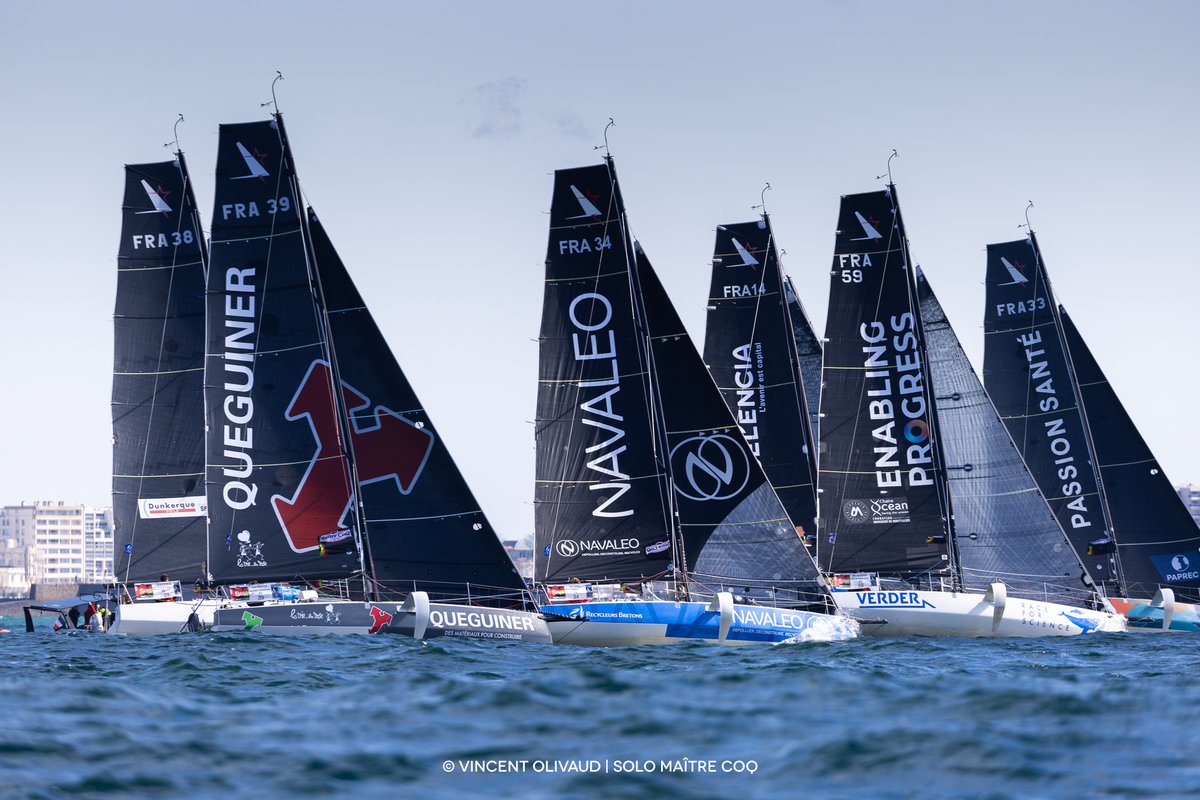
{"x": 54, "y": 542}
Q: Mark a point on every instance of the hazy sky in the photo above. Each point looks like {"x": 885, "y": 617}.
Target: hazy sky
{"x": 425, "y": 135}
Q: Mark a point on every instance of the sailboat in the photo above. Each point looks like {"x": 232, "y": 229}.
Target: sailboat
{"x": 334, "y": 505}
{"x": 1103, "y": 481}
{"x": 653, "y": 521}
{"x": 907, "y": 438}
{"x": 751, "y": 349}
{"x": 158, "y": 406}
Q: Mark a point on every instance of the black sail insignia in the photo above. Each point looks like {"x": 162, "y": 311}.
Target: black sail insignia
{"x": 1028, "y": 374}
{"x": 600, "y": 487}
{"x": 158, "y": 366}
{"x": 417, "y": 507}
{"x": 751, "y": 351}
{"x": 279, "y": 483}
{"x": 1157, "y": 540}
{"x": 883, "y": 504}
{"x": 1004, "y": 529}
{"x": 736, "y": 532}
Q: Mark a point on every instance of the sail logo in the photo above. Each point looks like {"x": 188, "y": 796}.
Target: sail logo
{"x": 386, "y": 447}
{"x": 254, "y": 164}
{"x": 586, "y": 203}
{"x": 594, "y": 345}
{"x": 173, "y": 507}
{"x": 238, "y": 363}
{"x": 157, "y": 199}
{"x": 1176, "y": 568}
{"x": 895, "y": 396}
{"x": 856, "y": 511}
{"x": 569, "y": 548}
{"x": 1076, "y": 481}
{"x": 870, "y": 232}
{"x": 751, "y": 392}
{"x": 250, "y": 554}
{"x": 712, "y": 467}
{"x": 1015, "y": 271}
{"x": 748, "y": 260}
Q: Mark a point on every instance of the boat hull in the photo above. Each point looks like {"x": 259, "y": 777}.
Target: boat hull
{"x": 922, "y": 613}
{"x": 156, "y": 619}
{"x": 348, "y": 616}
{"x": 611, "y": 624}
{"x": 1159, "y": 615}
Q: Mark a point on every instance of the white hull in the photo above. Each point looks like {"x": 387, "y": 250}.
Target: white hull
{"x": 640, "y": 622}
{"x": 156, "y": 619}
{"x": 921, "y": 613}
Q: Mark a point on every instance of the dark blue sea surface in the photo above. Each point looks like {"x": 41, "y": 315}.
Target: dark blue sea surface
{"x": 232, "y": 715}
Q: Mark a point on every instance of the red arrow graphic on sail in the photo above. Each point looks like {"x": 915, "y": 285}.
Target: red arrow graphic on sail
{"x": 392, "y": 448}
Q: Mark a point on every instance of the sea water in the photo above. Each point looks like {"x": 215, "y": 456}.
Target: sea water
{"x": 231, "y": 715}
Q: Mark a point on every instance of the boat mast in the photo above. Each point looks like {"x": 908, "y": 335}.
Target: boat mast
{"x": 645, "y": 356}
{"x": 339, "y": 404}
{"x": 202, "y": 242}
{"x": 935, "y": 431}
{"x": 939, "y": 458}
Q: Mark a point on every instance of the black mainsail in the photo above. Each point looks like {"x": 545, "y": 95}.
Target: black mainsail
{"x": 1028, "y": 373}
{"x": 883, "y": 503}
{"x": 1003, "y": 527}
{"x": 279, "y": 476}
{"x": 600, "y": 497}
{"x": 750, "y": 347}
{"x": 1158, "y": 541}
{"x": 425, "y": 531}
{"x": 158, "y": 365}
